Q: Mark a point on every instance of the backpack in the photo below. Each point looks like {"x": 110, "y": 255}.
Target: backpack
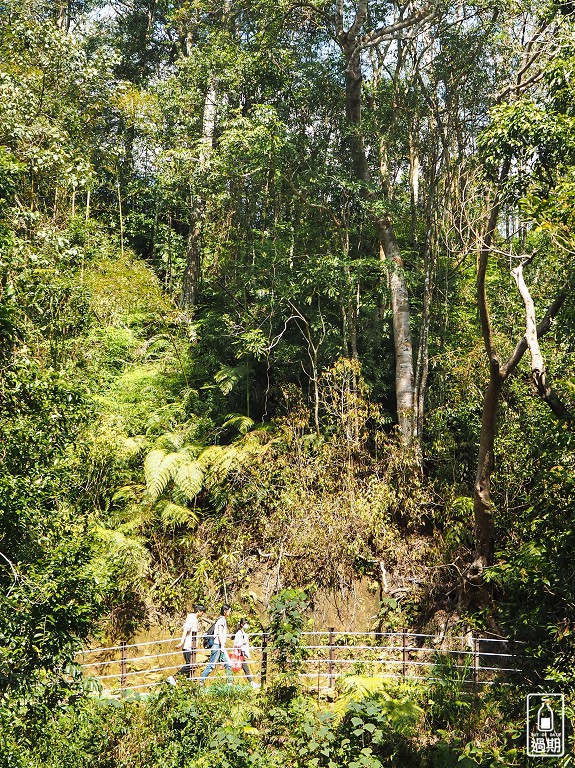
{"x": 209, "y": 636}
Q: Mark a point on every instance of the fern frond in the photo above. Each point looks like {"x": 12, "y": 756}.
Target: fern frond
{"x": 131, "y": 492}
{"x": 189, "y": 478}
{"x": 159, "y": 469}
{"x": 211, "y": 455}
{"x": 133, "y": 445}
{"x": 219, "y": 463}
{"x": 227, "y": 460}
{"x": 122, "y": 560}
{"x": 192, "y": 450}
{"x": 170, "y": 441}
{"x": 176, "y": 514}
{"x": 152, "y": 470}
{"x": 158, "y": 343}
{"x": 228, "y": 377}
{"x": 238, "y": 421}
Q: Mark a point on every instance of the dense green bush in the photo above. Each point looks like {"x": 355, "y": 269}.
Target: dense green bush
{"x": 191, "y": 727}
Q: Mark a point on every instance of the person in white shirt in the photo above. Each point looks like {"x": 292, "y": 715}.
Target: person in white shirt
{"x": 190, "y": 634}
{"x": 242, "y": 645}
{"x": 219, "y": 653}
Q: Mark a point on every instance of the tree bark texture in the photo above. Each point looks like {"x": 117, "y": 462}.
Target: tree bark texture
{"x": 482, "y": 502}
{"x": 538, "y": 373}
{"x": 404, "y": 368}
{"x": 192, "y": 271}
{"x": 404, "y": 375}
{"x": 482, "y": 506}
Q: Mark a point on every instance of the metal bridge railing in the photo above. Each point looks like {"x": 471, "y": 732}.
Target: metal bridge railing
{"x": 327, "y": 656}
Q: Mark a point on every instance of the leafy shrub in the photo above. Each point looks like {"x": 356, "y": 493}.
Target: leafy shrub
{"x": 371, "y": 733}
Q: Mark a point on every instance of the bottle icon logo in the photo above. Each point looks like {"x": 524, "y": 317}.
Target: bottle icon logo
{"x": 545, "y": 717}
{"x": 545, "y": 725}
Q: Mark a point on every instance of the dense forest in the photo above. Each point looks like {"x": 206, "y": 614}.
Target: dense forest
{"x": 286, "y": 308}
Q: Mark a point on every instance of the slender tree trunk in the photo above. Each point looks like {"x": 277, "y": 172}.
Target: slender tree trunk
{"x": 482, "y": 507}
{"x": 404, "y": 375}
{"x": 538, "y": 372}
{"x": 404, "y": 372}
{"x": 64, "y": 15}
{"x": 121, "y": 219}
{"x": 482, "y": 503}
{"x": 414, "y": 188}
{"x": 422, "y": 367}
{"x": 191, "y": 276}
{"x": 192, "y": 271}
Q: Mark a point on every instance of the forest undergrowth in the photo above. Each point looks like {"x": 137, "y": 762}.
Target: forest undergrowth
{"x": 286, "y": 303}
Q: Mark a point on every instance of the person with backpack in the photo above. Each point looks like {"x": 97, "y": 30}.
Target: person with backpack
{"x": 219, "y": 631}
{"x": 242, "y": 646}
{"x": 189, "y": 634}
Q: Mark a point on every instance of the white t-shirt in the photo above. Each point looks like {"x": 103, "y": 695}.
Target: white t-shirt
{"x": 242, "y": 642}
{"x": 221, "y": 628}
{"x": 190, "y": 625}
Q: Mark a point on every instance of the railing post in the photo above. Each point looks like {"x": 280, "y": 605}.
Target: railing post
{"x": 516, "y": 657}
{"x": 475, "y": 641}
{"x": 405, "y": 654}
{"x": 331, "y": 656}
{"x": 123, "y": 664}
{"x": 192, "y": 667}
{"x": 264, "y": 666}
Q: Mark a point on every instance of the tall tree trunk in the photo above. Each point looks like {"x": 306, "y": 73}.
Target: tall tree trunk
{"x": 192, "y": 271}
{"x": 404, "y": 374}
{"x": 422, "y": 366}
{"x": 414, "y": 188}
{"x": 482, "y": 507}
{"x": 404, "y": 371}
{"x": 498, "y": 373}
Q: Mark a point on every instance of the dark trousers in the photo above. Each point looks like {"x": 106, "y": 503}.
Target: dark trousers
{"x": 188, "y": 661}
{"x": 246, "y": 669}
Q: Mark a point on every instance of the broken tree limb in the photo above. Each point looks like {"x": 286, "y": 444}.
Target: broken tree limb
{"x": 538, "y": 373}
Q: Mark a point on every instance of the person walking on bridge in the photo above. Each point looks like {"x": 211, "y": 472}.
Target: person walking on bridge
{"x": 242, "y": 645}
{"x": 218, "y": 648}
{"x": 190, "y": 634}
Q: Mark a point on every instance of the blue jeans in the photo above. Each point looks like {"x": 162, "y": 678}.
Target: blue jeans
{"x": 218, "y": 654}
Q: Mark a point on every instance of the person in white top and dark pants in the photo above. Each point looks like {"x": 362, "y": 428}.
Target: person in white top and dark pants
{"x": 242, "y": 645}
{"x": 190, "y": 634}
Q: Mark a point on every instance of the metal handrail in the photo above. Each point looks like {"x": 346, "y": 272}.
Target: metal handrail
{"x": 323, "y": 657}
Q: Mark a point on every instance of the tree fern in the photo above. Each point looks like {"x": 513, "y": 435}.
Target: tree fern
{"x": 189, "y": 477}
{"x": 194, "y": 467}
{"x": 228, "y": 377}
{"x": 177, "y": 514}
{"x": 159, "y": 469}
{"x": 238, "y": 421}
{"x": 133, "y": 445}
